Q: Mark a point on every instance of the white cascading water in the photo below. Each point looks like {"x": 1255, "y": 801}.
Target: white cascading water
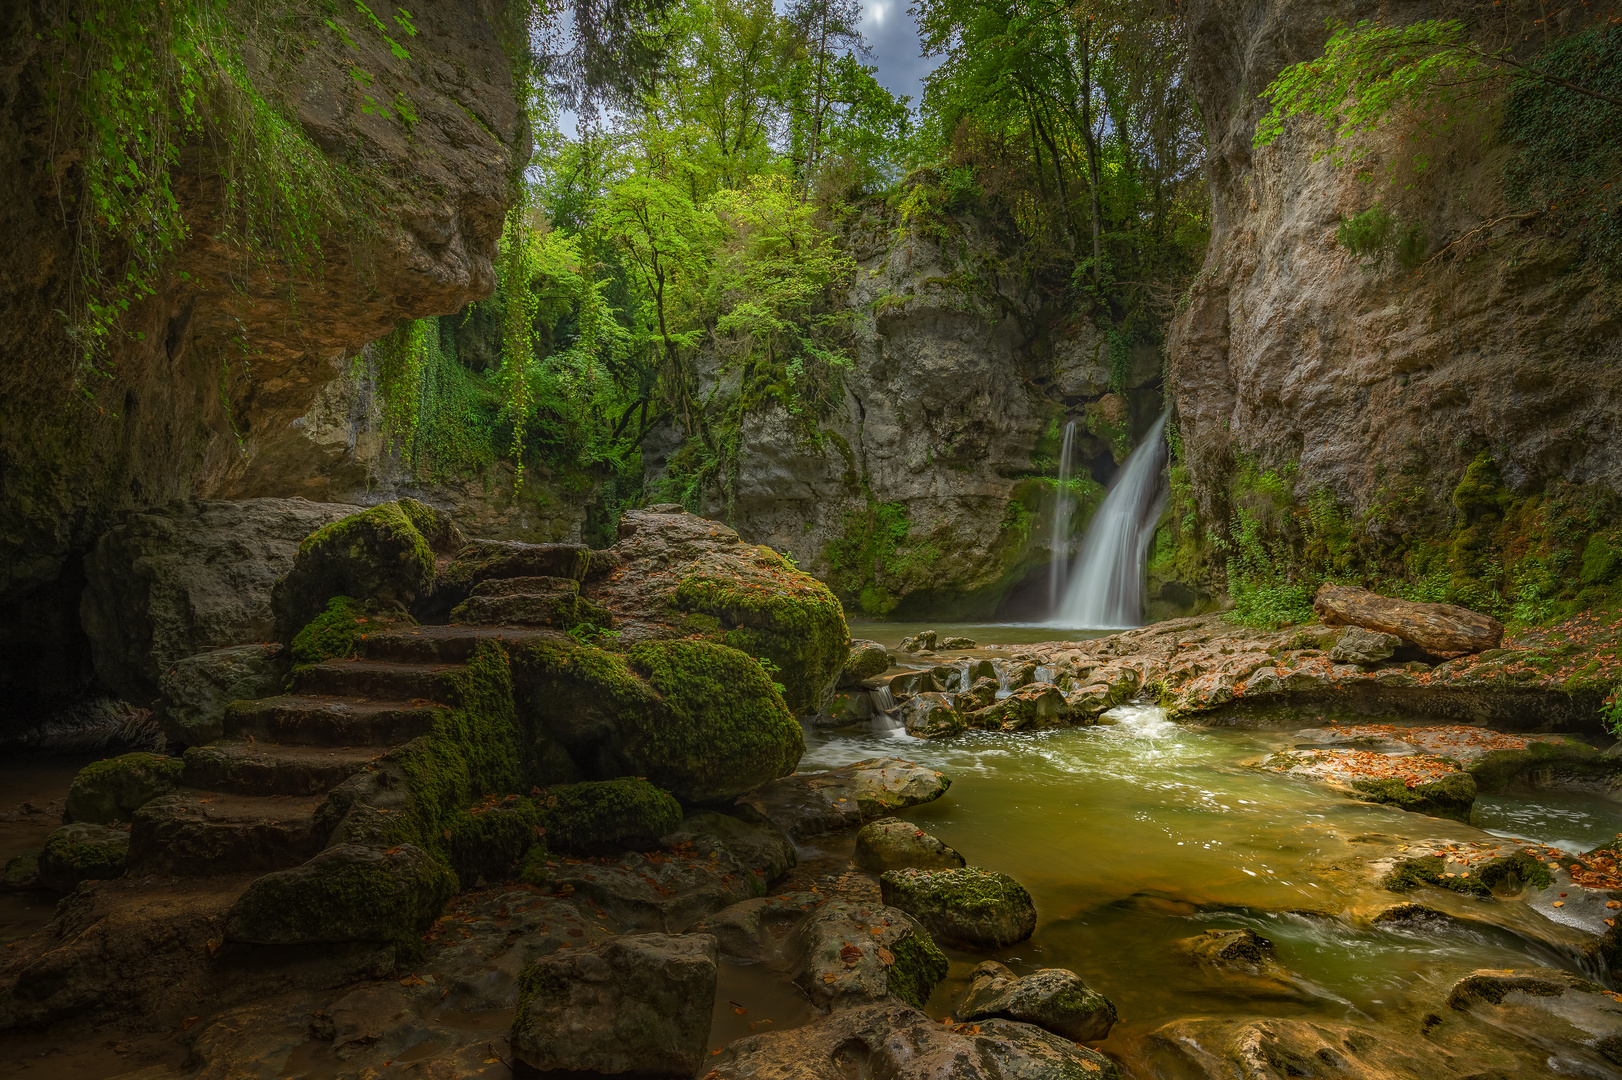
{"x": 1105, "y": 591}
{"x": 1062, "y": 509}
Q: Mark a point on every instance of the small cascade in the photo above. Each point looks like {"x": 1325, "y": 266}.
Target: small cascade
{"x": 1046, "y": 673}
{"x": 886, "y": 711}
{"x": 883, "y": 700}
{"x": 1105, "y": 590}
{"x": 1063, "y": 507}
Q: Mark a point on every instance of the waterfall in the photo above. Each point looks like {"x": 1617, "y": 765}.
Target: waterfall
{"x": 1106, "y": 583}
{"x": 1062, "y": 508}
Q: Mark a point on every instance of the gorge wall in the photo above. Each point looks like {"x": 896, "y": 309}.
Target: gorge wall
{"x": 184, "y": 410}
{"x": 1374, "y": 381}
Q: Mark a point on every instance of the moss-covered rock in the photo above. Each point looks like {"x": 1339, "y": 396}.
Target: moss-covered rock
{"x": 979, "y": 908}
{"x": 82, "y": 851}
{"x": 1545, "y": 763}
{"x": 332, "y": 634}
{"x": 918, "y": 968}
{"x": 867, "y": 659}
{"x": 700, "y": 720}
{"x": 1051, "y": 998}
{"x": 113, "y": 789}
{"x": 346, "y": 893}
{"x": 606, "y": 817}
{"x": 489, "y": 840}
{"x": 894, "y": 844}
{"x": 385, "y": 554}
{"x": 1410, "y": 874}
{"x": 931, "y": 716}
{"x": 1452, "y": 796}
{"x": 21, "y": 873}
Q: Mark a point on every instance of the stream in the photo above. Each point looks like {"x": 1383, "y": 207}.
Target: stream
{"x": 1134, "y": 834}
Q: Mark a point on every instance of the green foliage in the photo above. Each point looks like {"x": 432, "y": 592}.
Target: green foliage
{"x": 872, "y": 542}
{"x": 139, "y": 86}
{"x": 607, "y": 817}
{"x": 1376, "y": 234}
{"x": 1567, "y": 158}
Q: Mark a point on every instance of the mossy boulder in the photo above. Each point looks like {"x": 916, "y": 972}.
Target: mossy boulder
{"x": 978, "y": 908}
{"x": 1545, "y": 763}
{"x": 21, "y": 873}
{"x": 744, "y": 833}
{"x": 113, "y": 789}
{"x": 1052, "y": 998}
{"x": 931, "y": 716}
{"x": 490, "y": 840}
{"x": 197, "y": 689}
{"x": 1409, "y": 874}
{"x": 867, "y": 659}
{"x": 1451, "y": 796}
{"x": 680, "y": 575}
{"x": 82, "y": 851}
{"x": 700, "y": 720}
{"x": 606, "y": 817}
{"x": 385, "y": 555}
{"x": 346, "y": 893}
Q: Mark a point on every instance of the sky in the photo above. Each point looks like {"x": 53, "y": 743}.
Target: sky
{"x": 894, "y": 37}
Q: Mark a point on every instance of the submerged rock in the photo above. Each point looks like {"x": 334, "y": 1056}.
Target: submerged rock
{"x": 115, "y": 788}
{"x": 1052, "y": 998}
{"x": 638, "y": 1004}
{"x": 893, "y": 844}
{"x": 901, "y": 1043}
{"x": 346, "y": 893}
{"x": 805, "y": 804}
{"x": 82, "y": 851}
{"x": 1241, "y": 962}
{"x": 978, "y": 908}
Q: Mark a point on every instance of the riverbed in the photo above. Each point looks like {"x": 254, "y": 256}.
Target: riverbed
{"x": 1137, "y": 833}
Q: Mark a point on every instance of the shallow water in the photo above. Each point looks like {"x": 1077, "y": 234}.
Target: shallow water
{"x": 39, "y": 780}
{"x": 1135, "y": 835}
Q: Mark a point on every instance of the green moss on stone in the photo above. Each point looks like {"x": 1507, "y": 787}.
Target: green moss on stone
{"x": 332, "y": 634}
{"x": 1410, "y": 874}
{"x": 919, "y": 967}
{"x": 490, "y": 839}
{"x": 795, "y": 622}
{"x": 1543, "y": 760}
{"x": 1452, "y": 796}
{"x": 1514, "y": 873}
{"x": 82, "y": 851}
{"x": 115, "y": 788}
{"x": 606, "y": 817}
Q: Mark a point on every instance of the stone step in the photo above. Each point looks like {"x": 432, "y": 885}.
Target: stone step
{"x": 199, "y": 833}
{"x": 528, "y": 586}
{"x": 301, "y": 720}
{"x": 447, "y": 644}
{"x": 554, "y": 609}
{"x": 257, "y": 767}
{"x": 481, "y": 560}
{"x": 380, "y": 679}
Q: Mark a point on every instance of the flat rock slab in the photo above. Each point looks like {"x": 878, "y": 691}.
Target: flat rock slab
{"x": 204, "y": 832}
{"x": 666, "y": 892}
{"x": 638, "y": 1004}
{"x": 806, "y": 804}
{"x": 901, "y": 1043}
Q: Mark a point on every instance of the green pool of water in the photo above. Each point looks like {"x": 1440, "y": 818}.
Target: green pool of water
{"x": 1135, "y": 835}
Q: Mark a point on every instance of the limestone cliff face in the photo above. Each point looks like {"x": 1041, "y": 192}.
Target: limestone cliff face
{"x": 929, "y": 488}
{"x": 184, "y": 411}
{"x": 1379, "y": 382}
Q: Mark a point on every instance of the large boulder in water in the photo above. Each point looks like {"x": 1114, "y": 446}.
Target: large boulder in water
{"x": 171, "y": 583}
{"x": 894, "y": 844}
{"x": 701, "y": 720}
{"x": 806, "y": 804}
{"x": 385, "y": 554}
{"x": 678, "y": 575}
{"x": 1440, "y": 628}
{"x": 981, "y": 909}
{"x": 1051, "y": 998}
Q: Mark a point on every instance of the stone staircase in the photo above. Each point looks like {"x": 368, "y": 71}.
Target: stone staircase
{"x": 254, "y": 799}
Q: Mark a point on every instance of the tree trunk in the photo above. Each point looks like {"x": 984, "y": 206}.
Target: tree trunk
{"x": 1440, "y": 628}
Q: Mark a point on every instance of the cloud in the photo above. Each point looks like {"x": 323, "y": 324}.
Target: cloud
{"x": 894, "y": 37}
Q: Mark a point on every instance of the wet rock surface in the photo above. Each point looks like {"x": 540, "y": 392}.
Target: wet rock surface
{"x": 806, "y": 804}
{"x": 978, "y": 908}
{"x": 1441, "y": 628}
{"x": 850, "y": 953}
{"x": 1053, "y": 999}
{"x": 895, "y": 844}
{"x": 901, "y": 1042}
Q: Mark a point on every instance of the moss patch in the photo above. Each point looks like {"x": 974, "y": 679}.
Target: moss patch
{"x": 115, "y": 788}
{"x": 1542, "y": 761}
{"x": 1410, "y": 874}
{"x": 794, "y": 621}
{"x": 81, "y": 852}
{"x": 919, "y": 967}
{"x": 606, "y": 817}
{"x": 1450, "y": 797}
{"x": 488, "y": 840}
{"x": 1514, "y": 873}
